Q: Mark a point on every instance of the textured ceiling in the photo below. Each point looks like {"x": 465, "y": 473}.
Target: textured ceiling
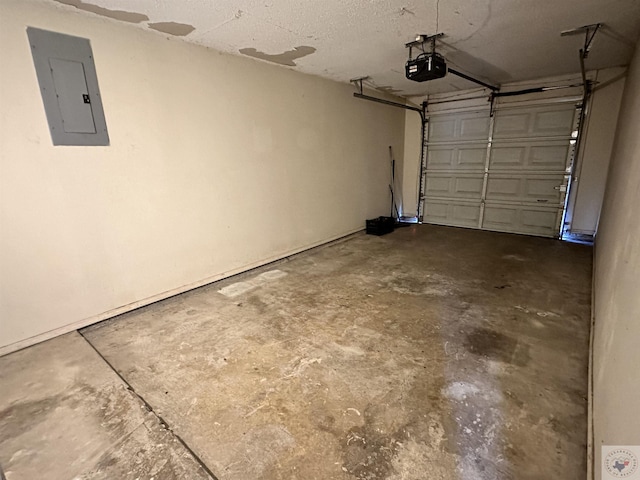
{"x": 496, "y": 40}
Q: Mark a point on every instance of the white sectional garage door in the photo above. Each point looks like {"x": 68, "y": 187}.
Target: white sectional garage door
{"x": 509, "y": 173}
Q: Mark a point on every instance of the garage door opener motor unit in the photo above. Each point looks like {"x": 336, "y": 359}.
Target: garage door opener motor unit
{"x": 427, "y": 65}
{"x": 431, "y": 65}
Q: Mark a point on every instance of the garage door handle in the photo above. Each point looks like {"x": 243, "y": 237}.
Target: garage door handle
{"x": 562, "y": 188}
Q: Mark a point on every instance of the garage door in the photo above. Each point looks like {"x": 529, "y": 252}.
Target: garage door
{"x": 504, "y": 173}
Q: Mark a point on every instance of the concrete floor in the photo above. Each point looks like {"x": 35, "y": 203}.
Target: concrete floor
{"x": 429, "y": 353}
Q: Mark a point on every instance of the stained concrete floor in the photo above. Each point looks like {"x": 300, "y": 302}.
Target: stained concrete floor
{"x": 429, "y": 353}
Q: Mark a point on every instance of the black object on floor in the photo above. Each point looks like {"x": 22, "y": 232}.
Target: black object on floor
{"x": 380, "y": 225}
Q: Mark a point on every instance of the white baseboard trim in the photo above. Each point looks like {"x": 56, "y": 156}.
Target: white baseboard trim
{"x": 27, "y": 342}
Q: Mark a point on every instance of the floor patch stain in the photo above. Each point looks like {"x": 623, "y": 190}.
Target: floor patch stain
{"x": 405, "y": 284}
{"x": 272, "y": 274}
{"x": 239, "y": 288}
{"x": 286, "y": 58}
{"x": 262, "y": 448}
{"x": 368, "y": 453}
{"x": 173, "y": 28}
{"x": 131, "y": 17}
{"x": 497, "y": 346}
{"x": 236, "y": 289}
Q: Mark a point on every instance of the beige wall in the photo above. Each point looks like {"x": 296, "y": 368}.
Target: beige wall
{"x": 217, "y": 163}
{"x": 617, "y": 285}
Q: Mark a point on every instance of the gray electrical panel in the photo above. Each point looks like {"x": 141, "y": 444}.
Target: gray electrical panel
{"x": 69, "y": 88}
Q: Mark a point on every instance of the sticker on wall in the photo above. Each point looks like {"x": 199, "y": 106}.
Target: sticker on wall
{"x": 621, "y": 461}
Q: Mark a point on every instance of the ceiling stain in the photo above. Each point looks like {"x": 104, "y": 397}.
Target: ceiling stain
{"x": 131, "y": 17}
{"x": 286, "y": 58}
{"x": 173, "y": 28}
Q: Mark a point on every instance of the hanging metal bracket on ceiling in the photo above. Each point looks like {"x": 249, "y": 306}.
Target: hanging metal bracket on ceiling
{"x": 358, "y": 82}
{"x": 420, "y": 40}
{"x": 589, "y": 34}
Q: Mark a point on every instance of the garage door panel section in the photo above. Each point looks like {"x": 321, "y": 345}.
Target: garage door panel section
{"x": 525, "y": 188}
{"x": 455, "y": 186}
{"x": 452, "y": 212}
{"x": 452, "y": 157}
{"x": 544, "y": 121}
{"x": 506, "y": 174}
{"x": 456, "y": 162}
{"x": 526, "y": 219}
{"x": 538, "y": 156}
{"x": 459, "y": 127}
